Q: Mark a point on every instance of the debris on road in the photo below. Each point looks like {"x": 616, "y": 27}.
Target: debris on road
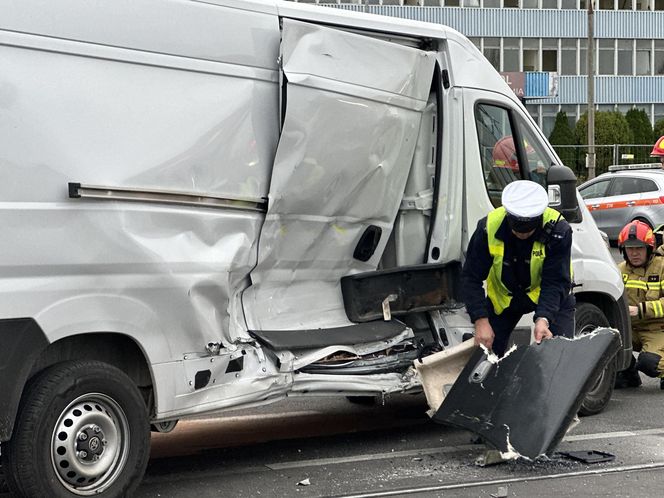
{"x": 589, "y": 456}
{"x": 304, "y": 482}
{"x": 501, "y": 493}
{"x": 525, "y": 402}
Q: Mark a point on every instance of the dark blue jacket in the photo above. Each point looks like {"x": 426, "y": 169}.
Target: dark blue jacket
{"x": 556, "y": 279}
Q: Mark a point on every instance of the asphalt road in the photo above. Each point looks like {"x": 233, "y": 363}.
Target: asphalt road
{"x": 330, "y": 447}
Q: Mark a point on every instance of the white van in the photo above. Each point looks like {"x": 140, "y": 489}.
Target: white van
{"x": 218, "y": 204}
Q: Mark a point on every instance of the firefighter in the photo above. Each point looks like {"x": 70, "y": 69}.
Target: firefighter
{"x": 658, "y": 150}
{"x": 523, "y": 252}
{"x": 643, "y": 275}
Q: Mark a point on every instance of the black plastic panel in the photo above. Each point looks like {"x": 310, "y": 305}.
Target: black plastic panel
{"x": 290, "y": 340}
{"x": 531, "y": 396}
{"x": 413, "y": 288}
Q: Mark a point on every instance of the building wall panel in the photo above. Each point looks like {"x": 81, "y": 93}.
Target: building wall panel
{"x": 528, "y": 23}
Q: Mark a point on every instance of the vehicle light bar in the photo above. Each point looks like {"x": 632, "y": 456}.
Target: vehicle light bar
{"x": 621, "y": 167}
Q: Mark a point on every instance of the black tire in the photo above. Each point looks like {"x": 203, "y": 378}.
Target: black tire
{"x": 82, "y": 430}
{"x": 588, "y": 317}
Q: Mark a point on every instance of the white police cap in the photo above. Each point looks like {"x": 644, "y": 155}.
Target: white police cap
{"x": 525, "y": 199}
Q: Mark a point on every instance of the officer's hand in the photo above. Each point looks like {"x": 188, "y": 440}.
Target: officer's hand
{"x": 542, "y": 330}
{"x": 633, "y": 311}
{"x": 483, "y": 332}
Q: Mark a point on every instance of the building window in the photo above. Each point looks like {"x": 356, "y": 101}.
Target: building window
{"x": 659, "y": 4}
{"x": 605, "y": 4}
{"x": 568, "y": 4}
{"x": 583, "y": 56}
{"x": 659, "y": 57}
{"x": 511, "y": 54}
{"x": 605, "y": 63}
{"x": 476, "y": 42}
{"x": 451, "y": 3}
{"x": 492, "y": 51}
{"x": 529, "y": 4}
{"x": 549, "y": 4}
{"x": 625, "y": 5}
{"x": 643, "y": 4}
{"x": 495, "y": 4}
{"x": 511, "y": 4}
{"x": 549, "y": 112}
{"x": 643, "y": 57}
{"x": 568, "y": 57}
{"x": 625, "y": 51}
{"x": 658, "y": 112}
{"x": 549, "y": 54}
{"x": 530, "y": 54}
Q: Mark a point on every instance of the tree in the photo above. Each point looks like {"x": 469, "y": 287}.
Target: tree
{"x": 659, "y": 129}
{"x": 639, "y": 125}
{"x": 562, "y": 133}
{"x": 611, "y": 128}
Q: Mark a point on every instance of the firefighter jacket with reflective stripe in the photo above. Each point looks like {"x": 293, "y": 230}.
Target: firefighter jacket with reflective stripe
{"x": 643, "y": 286}
{"x": 530, "y": 275}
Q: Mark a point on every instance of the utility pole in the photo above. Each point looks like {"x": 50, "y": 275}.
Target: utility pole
{"x": 590, "y": 159}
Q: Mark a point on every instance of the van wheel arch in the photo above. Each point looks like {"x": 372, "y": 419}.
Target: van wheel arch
{"x": 114, "y": 349}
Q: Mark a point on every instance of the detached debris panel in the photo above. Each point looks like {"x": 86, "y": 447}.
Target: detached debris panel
{"x": 525, "y": 402}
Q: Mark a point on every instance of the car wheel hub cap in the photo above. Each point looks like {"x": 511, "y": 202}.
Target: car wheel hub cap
{"x": 90, "y": 444}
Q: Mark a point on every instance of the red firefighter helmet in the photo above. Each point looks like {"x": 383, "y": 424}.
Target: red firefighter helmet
{"x": 636, "y": 234}
{"x": 504, "y": 153}
{"x": 658, "y": 149}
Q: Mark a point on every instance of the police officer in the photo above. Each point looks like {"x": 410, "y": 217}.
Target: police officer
{"x": 523, "y": 251}
{"x": 643, "y": 275}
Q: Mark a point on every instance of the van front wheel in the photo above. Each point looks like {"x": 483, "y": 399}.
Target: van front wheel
{"x": 82, "y": 430}
{"x": 588, "y": 317}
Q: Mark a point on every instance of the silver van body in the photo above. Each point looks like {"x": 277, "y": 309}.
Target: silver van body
{"x": 187, "y": 184}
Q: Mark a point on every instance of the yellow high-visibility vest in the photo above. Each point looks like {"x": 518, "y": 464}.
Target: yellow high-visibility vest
{"x": 500, "y": 295}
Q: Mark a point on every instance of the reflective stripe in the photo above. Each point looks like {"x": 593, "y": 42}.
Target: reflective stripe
{"x": 636, "y": 284}
{"x": 594, "y": 206}
{"x": 640, "y": 284}
{"x": 658, "y": 310}
{"x": 500, "y": 295}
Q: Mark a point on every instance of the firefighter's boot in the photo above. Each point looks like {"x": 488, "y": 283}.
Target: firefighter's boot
{"x": 629, "y": 377}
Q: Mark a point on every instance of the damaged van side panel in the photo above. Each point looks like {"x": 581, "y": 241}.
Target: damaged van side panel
{"x": 364, "y": 98}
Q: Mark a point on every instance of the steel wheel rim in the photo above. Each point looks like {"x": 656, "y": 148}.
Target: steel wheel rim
{"x": 90, "y": 444}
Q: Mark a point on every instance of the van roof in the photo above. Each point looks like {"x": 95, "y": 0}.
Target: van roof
{"x": 354, "y": 19}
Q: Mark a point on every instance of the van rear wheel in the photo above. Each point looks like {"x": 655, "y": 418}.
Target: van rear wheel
{"x": 588, "y": 317}
{"x": 82, "y": 430}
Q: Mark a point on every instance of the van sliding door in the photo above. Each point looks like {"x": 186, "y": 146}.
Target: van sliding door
{"x": 353, "y": 106}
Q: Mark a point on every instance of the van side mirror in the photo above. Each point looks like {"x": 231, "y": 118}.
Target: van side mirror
{"x": 561, "y": 182}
